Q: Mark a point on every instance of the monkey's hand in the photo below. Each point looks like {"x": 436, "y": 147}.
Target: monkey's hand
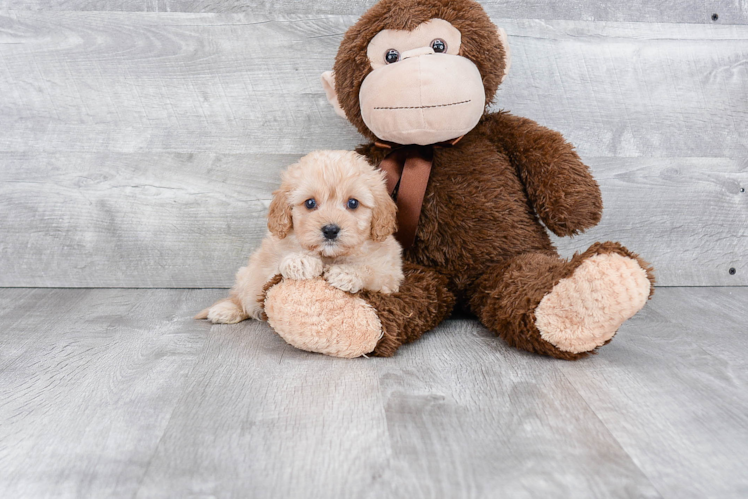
{"x": 560, "y": 187}
{"x": 299, "y": 266}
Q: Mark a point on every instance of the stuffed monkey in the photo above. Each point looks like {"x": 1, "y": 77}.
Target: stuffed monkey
{"x": 476, "y": 193}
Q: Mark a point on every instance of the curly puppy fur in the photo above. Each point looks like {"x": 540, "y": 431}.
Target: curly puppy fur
{"x": 363, "y": 255}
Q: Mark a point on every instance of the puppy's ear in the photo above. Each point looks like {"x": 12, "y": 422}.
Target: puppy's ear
{"x": 384, "y": 214}
{"x": 280, "y": 221}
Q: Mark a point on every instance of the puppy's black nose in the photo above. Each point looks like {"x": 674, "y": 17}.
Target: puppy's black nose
{"x": 330, "y": 231}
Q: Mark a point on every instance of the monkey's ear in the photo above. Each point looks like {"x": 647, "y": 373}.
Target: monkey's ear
{"x": 504, "y": 39}
{"x": 280, "y": 221}
{"x": 328, "y": 83}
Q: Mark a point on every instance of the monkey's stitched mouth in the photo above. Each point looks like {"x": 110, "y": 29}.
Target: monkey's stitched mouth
{"x": 425, "y": 107}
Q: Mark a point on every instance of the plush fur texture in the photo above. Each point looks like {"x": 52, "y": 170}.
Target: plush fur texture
{"x": 586, "y": 309}
{"x": 424, "y": 301}
{"x": 317, "y": 325}
{"x": 480, "y": 44}
{"x": 482, "y": 242}
{"x": 425, "y": 97}
{"x": 505, "y": 299}
{"x": 363, "y": 256}
{"x": 302, "y": 313}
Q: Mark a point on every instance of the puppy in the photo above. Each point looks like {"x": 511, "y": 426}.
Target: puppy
{"x": 331, "y": 217}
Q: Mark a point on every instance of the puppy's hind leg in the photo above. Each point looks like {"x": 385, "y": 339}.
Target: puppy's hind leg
{"x": 243, "y": 301}
{"x": 226, "y": 311}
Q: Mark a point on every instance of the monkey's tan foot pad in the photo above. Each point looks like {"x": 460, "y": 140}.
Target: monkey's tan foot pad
{"x": 313, "y": 316}
{"x": 586, "y": 309}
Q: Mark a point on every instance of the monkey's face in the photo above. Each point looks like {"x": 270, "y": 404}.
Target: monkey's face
{"x": 421, "y": 90}
{"x": 418, "y": 71}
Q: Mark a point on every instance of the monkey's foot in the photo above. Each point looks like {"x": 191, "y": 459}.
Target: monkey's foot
{"x": 586, "y": 309}
{"x": 313, "y": 316}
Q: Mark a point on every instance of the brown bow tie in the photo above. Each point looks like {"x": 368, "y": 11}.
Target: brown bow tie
{"x": 408, "y": 169}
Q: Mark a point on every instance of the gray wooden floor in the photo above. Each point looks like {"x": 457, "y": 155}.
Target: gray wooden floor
{"x": 139, "y": 143}
{"x": 116, "y": 392}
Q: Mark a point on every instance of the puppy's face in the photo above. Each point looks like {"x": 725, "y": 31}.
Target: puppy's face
{"x": 334, "y": 201}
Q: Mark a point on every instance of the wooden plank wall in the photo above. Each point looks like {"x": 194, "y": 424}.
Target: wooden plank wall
{"x": 661, "y": 11}
{"x": 140, "y": 139}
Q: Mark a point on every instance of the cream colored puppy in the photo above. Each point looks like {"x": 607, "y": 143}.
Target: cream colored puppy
{"x": 331, "y": 217}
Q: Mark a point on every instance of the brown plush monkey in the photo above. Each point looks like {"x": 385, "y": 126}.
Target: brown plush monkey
{"x": 415, "y": 77}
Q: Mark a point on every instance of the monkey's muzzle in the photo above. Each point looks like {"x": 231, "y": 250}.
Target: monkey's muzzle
{"x": 423, "y": 100}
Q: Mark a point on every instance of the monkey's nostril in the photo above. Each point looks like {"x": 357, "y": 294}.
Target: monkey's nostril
{"x": 330, "y": 231}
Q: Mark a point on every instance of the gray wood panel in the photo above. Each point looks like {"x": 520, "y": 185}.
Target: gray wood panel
{"x": 408, "y": 428}
{"x": 191, "y": 220}
{"x": 132, "y": 220}
{"x": 688, "y": 338}
{"x": 109, "y": 393}
{"x": 261, "y": 418}
{"x": 687, "y": 216}
{"x": 129, "y": 82}
{"x": 139, "y": 149}
{"x": 666, "y": 11}
{"x": 88, "y": 381}
{"x": 516, "y": 426}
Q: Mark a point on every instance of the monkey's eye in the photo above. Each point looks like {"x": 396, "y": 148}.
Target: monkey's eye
{"x": 311, "y": 204}
{"x": 353, "y": 203}
{"x": 392, "y": 56}
{"x": 439, "y": 45}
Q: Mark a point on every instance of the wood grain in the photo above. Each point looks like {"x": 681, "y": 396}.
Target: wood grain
{"x": 89, "y": 379}
{"x": 665, "y": 11}
{"x": 517, "y": 428}
{"x": 140, "y": 149}
{"x": 682, "y": 373}
{"x": 686, "y": 216}
{"x": 118, "y": 393}
{"x": 261, "y": 418}
{"x": 191, "y": 220}
{"x": 374, "y": 427}
{"x": 134, "y": 220}
{"x": 233, "y": 83}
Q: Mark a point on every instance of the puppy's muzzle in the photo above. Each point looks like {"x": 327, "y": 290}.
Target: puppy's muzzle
{"x": 330, "y": 231}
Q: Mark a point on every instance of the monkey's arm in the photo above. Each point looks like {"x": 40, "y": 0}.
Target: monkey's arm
{"x": 561, "y": 188}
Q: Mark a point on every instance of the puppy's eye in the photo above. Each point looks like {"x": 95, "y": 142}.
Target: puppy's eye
{"x": 311, "y": 204}
{"x": 439, "y": 46}
{"x": 353, "y": 203}
{"x": 391, "y": 56}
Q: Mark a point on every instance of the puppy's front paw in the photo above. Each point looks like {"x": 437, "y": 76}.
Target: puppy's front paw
{"x": 344, "y": 278}
{"x": 301, "y": 267}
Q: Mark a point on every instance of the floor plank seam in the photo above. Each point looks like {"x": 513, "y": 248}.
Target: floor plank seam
{"x": 610, "y": 433}
{"x": 147, "y": 468}
{"x": 178, "y": 402}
